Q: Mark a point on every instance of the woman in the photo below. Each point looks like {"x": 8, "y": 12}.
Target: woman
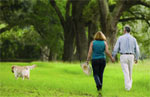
{"x": 97, "y": 49}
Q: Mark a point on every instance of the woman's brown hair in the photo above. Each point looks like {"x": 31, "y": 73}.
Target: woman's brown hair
{"x": 99, "y": 36}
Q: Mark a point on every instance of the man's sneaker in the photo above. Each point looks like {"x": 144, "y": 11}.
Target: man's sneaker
{"x": 128, "y": 89}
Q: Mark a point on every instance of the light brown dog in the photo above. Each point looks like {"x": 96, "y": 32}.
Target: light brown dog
{"x": 22, "y": 71}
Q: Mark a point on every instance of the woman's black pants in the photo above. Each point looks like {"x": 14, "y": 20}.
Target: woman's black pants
{"x": 98, "y": 66}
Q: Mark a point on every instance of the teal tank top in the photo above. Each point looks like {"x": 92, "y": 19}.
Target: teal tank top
{"x": 98, "y": 49}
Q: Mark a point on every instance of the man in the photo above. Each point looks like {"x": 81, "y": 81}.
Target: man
{"x": 128, "y": 48}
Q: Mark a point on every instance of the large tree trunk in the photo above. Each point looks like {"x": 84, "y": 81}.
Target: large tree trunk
{"x": 68, "y": 48}
{"x": 92, "y": 29}
{"x": 107, "y": 24}
{"x": 109, "y": 20}
{"x": 110, "y": 32}
{"x": 81, "y": 41}
{"x": 79, "y": 28}
{"x": 69, "y": 36}
{"x": 72, "y": 24}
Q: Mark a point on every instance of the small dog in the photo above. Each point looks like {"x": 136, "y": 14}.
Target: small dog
{"x": 22, "y": 71}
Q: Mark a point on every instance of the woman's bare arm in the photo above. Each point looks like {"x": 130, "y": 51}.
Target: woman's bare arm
{"x": 90, "y": 51}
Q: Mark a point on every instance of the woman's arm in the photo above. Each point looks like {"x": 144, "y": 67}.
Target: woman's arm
{"x": 90, "y": 51}
{"x": 107, "y": 52}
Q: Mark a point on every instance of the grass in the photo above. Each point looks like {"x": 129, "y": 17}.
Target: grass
{"x": 58, "y": 79}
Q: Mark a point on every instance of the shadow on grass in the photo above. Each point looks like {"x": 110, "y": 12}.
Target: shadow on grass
{"x": 67, "y": 71}
{"x": 145, "y": 84}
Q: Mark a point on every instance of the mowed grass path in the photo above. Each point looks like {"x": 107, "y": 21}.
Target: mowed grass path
{"x": 58, "y": 79}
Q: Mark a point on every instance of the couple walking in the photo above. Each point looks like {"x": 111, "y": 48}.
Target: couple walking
{"x": 128, "y": 48}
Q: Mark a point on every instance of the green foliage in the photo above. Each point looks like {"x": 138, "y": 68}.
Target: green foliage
{"x": 2, "y": 26}
{"x": 14, "y": 12}
{"x": 62, "y": 6}
{"x": 47, "y": 24}
{"x": 111, "y": 2}
{"x": 142, "y": 33}
{"x": 20, "y": 43}
{"x": 38, "y": 14}
{"x": 91, "y": 11}
{"x": 57, "y": 79}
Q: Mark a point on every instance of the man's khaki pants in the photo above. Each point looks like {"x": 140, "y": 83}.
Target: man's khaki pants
{"x": 127, "y": 62}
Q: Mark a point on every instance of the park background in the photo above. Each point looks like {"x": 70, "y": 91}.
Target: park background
{"x": 55, "y": 35}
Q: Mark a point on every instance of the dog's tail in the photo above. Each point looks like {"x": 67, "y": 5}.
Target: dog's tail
{"x": 31, "y": 67}
{"x": 12, "y": 69}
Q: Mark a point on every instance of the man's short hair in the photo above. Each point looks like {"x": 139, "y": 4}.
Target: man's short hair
{"x": 127, "y": 28}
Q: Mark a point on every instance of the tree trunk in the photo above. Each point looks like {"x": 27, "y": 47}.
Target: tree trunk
{"x": 110, "y": 32}
{"x": 109, "y": 19}
{"x": 67, "y": 24}
{"x": 52, "y": 56}
{"x": 79, "y": 28}
{"x": 45, "y": 53}
{"x": 81, "y": 41}
{"x": 72, "y": 25}
{"x": 92, "y": 29}
{"x": 69, "y": 36}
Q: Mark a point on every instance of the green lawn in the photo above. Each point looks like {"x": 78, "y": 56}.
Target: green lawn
{"x": 58, "y": 79}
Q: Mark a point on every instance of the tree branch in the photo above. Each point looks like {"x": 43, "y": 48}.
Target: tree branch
{"x": 53, "y": 3}
{"x": 146, "y": 4}
{"x": 104, "y": 9}
{"x": 134, "y": 18}
{"x": 131, "y": 18}
{"x": 147, "y": 22}
{"x": 122, "y": 6}
{"x": 104, "y": 13}
{"x": 118, "y": 10}
{"x": 142, "y": 16}
{"x": 4, "y": 29}
{"x": 68, "y": 8}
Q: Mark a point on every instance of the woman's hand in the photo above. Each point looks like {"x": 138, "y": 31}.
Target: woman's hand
{"x": 107, "y": 52}
{"x": 113, "y": 59}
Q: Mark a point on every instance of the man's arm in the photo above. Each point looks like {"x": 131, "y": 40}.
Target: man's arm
{"x": 137, "y": 51}
{"x": 116, "y": 48}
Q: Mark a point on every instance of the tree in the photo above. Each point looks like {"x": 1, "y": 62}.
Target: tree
{"x": 74, "y": 28}
{"x": 39, "y": 14}
{"x": 91, "y": 19}
{"x": 46, "y": 23}
{"x": 18, "y": 45}
{"x": 64, "y": 30}
{"x": 110, "y": 15}
{"x": 11, "y": 12}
